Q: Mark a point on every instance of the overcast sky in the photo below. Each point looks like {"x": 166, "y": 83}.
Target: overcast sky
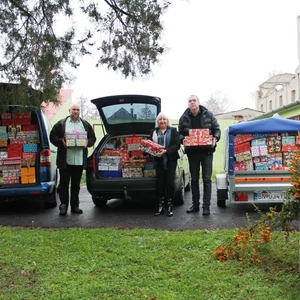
{"x": 230, "y": 46}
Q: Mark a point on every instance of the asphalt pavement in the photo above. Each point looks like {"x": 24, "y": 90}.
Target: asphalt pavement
{"x": 120, "y": 214}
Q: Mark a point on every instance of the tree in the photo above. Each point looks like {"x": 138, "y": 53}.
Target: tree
{"x": 38, "y": 40}
{"x": 218, "y": 102}
{"x": 88, "y": 111}
{"x": 146, "y": 113}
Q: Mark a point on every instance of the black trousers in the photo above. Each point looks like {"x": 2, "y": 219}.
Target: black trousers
{"x": 73, "y": 173}
{"x": 165, "y": 178}
{"x": 205, "y": 160}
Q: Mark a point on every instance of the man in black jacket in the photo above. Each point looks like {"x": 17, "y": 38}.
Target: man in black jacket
{"x": 71, "y": 158}
{"x": 198, "y": 116}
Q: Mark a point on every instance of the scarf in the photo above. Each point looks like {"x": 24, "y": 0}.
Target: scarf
{"x": 162, "y": 139}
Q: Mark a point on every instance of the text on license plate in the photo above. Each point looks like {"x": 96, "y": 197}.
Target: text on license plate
{"x": 268, "y": 196}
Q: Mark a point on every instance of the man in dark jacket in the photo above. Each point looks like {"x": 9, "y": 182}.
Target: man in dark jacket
{"x": 198, "y": 116}
{"x": 71, "y": 157}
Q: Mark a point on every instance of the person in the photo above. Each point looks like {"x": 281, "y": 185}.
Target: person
{"x": 71, "y": 161}
{"x": 198, "y": 116}
{"x": 165, "y": 161}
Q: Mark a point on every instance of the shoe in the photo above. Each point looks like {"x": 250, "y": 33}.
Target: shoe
{"x": 192, "y": 209}
{"x": 170, "y": 208}
{"x": 206, "y": 211}
{"x": 63, "y": 210}
{"x": 76, "y": 210}
{"x": 161, "y": 207}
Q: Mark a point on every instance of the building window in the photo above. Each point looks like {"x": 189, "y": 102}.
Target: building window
{"x": 293, "y": 95}
{"x": 280, "y": 101}
{"x": 261, "y": 107}
{"x": 270, "y": 105}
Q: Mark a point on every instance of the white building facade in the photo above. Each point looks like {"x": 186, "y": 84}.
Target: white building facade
{"x": 282, "y": 89}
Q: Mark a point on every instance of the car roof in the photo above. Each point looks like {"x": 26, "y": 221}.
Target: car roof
{"x": 129, "y": 113}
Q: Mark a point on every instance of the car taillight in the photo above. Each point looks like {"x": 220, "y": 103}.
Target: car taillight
{"x": 91, "y": 163}
{"x": 45, "y": 158}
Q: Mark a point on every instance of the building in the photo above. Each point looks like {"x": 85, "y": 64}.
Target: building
{"x": 239, "y": 115}
{"x": 281, "y": 90}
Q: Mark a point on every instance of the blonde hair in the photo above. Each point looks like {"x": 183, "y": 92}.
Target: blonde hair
{"x": 164, "y": 116}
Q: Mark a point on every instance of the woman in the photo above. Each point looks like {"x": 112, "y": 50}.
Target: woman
{"x": 165, "y": 161}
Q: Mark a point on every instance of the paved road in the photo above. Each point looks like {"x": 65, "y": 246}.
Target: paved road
{"x": 128, "y": 215}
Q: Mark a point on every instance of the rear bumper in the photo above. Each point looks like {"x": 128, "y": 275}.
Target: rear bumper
{"x": 114, "y": 186}
{"x": 43, "y": 189}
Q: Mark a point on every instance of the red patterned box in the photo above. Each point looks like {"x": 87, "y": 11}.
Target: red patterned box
{"x": 151, "y": 147}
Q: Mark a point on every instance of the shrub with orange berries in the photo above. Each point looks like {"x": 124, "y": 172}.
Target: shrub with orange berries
{"x": 247, "y": 242}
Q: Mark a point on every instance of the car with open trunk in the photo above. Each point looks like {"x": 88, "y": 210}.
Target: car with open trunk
{"x": 117, "y": 167}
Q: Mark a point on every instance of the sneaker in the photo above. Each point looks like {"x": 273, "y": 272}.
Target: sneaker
{"x": 76, "y": 210}
{"x": 206, "y": 211}
{"x": 63, "y": 210}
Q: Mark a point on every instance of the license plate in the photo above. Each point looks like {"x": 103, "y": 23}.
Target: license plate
{"x": 268, "y": 196}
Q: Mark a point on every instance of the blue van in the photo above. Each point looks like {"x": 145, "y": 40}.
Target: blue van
{"x": 27, "y": 158}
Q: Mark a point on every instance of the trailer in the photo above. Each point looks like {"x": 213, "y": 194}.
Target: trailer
{"x": 256, "y": 159}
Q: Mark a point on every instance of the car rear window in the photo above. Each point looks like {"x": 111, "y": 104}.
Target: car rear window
{"x": 130, "y": 113}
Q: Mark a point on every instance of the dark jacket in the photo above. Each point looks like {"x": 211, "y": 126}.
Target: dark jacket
{"x": 208, "y": 121}
{"x": 174, "y": 145}
{"x": 57, "y": 134}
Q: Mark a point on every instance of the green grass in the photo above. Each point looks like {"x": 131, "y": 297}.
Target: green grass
{"x": 140, "y": 264}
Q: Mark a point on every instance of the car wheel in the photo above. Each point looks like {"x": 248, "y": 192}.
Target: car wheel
{"x": 179, "y": 197}
{"x": 221, "y": 198}
{"x": 221, "y": 203}
{"x": 50, "y": 201}
{"x": 99, "y": 201}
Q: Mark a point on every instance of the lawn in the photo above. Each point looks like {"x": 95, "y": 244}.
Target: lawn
{"x": 140, "y": 264}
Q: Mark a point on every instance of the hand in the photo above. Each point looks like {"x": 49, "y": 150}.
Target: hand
{"x": 214, "y": 141}
{"x": 86, "y": 143}
{"x": 161, "y": 153}
{"x": 64, "y": 142}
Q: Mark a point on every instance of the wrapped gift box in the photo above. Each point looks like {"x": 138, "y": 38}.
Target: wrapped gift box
{"x": 242, "y": 138}
{"x": 151, "y": 147}
{"x": 27, "y": 175}
{"x": 132, "y": 172}
{"x": 30, "y": 147}
{"x": 76, "y": 139}
{"x": 149, "y": 173}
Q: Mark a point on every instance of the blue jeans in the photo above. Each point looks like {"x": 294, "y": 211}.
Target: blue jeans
{"x": 205, "y": 160}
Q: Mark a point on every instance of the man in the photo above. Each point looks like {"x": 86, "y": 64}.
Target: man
{"x": 71, "y": 161}
{"x": 198, "y": 116}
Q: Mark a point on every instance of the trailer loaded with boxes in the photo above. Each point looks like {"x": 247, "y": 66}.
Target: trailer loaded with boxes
{"x": 256, "y": 161}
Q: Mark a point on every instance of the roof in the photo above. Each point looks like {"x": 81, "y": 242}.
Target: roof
{"x": 241, "y": 114}
{"x": 279, "y": 79}
{"x": 50, "y": 109}
{"x": 268, "y": 125}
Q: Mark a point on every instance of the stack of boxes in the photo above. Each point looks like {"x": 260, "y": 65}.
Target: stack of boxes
{"x": 76, "y": 139}
{"x": 269, "y": 151}
{"x": 19, "y": 141}
{"x": 122, "y": 157}
{"x": 198, "y": 137}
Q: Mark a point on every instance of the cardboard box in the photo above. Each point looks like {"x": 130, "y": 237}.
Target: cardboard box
{"x": 27, "y": 175}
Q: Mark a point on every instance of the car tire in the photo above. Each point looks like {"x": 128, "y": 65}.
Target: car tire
{"x": 221, "y": 203}
{"x": 221, "y": 198}
{"x": 51, "y": 201}
{"x": 179, "y": 197}
{"x": 99, "y": 201}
